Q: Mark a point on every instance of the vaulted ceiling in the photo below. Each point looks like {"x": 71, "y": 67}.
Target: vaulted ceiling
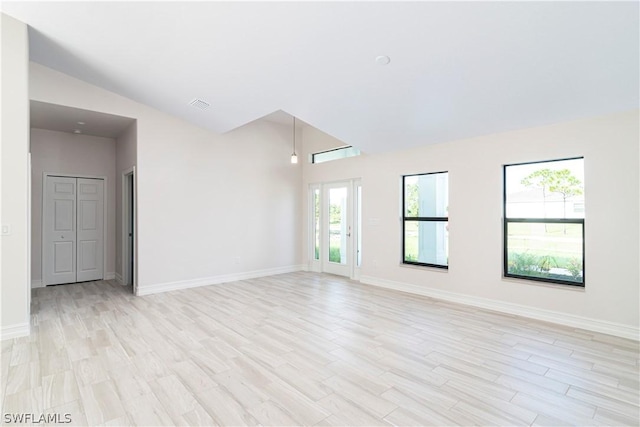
{"x": 457, "y": 69}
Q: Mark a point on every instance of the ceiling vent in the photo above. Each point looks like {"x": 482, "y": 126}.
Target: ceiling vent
{"x": 199, "y": 103}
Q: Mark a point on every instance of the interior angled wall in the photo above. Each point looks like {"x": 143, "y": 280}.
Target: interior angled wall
{"x": 210, "y": 207}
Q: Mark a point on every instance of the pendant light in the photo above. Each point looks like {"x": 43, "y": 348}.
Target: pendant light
{"x": 294, "y": 156}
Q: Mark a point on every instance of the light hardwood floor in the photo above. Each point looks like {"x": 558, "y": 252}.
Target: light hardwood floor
{"x": 310, "y": 349}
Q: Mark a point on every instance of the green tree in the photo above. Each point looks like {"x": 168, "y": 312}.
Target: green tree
{"x": 412, "y": 199}
{"x": 554, "y": 181}
{"x": 335, "y": 214}
{"x": 542, "y": 178}
{"x": 567, "y": 185}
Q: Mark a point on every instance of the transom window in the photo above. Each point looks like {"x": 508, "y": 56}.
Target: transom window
{"x": 544, "y": 221}
{"x": 425, "y": 233}
{"x": 334, "y": 154}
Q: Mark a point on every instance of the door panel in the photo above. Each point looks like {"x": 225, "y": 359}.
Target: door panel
{"x": 87, "y": 214}
{"x": 87, "y": 252}
{"x": 65, "y": 187}
{"x": 63, "y": 257}
{"x": 59, "y": 231}
{"x": 63, "y": 215}
{"x": 338, "y": 225}
{"x": 90, "y": 257}
{"x": 336, "y": 257}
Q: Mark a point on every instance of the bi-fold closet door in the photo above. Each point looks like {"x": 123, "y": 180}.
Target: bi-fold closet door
{"x": 73, "y": 230}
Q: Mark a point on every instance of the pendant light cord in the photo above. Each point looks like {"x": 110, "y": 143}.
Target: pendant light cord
{"x": 294, "y": 156}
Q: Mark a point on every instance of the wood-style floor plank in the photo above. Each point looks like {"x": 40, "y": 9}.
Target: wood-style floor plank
{"x": 307, "y": 349}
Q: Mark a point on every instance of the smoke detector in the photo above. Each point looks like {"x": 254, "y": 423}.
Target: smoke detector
{"x": 382, "y": 60}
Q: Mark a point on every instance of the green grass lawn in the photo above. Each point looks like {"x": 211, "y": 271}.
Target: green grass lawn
{"x": 559, "y": 242}
{"x": 335, "y": 246}
{"x": 552, "y": 245}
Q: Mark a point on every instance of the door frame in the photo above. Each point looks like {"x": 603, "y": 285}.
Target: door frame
{"x": 30, "y": 231}
{"x": 126, "y": 197}
{"x": 356, "y": 203}
{"x": 317, "y": 265}
{"x": 104, "y": 223}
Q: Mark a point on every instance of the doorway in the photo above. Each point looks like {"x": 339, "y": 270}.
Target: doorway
{"x": 73, "y": 228}
{"x": 129, "y": 229}
{"x": 335, "y": 228}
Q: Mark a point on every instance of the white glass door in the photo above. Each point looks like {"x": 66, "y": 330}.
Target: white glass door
{"x": 336, "y": 250}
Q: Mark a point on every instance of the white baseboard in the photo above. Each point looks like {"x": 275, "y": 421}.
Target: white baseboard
{"x": 595, "y": 325}
{"x": 15, "y": 331}
{"x": 119, "y": 279}
{"x": 215, "y": 280}
{"x": 37, "y": 283}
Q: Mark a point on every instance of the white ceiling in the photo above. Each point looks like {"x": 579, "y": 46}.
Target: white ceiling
{"x": 65, "y": 119}
{"x": 283, "y": 118}
{"x": 458, "y": 69}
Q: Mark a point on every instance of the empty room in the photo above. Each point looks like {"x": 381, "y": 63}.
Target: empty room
{"x": 320, "y": 213}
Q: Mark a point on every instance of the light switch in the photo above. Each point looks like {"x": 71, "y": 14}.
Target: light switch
{"x": 6, "y": 229}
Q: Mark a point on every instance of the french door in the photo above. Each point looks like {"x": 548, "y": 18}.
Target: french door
{"x": 335, "y": 233}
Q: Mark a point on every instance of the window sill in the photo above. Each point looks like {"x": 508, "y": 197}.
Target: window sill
{"x": 563, "y": 286}
{"x": 425, "y": 267}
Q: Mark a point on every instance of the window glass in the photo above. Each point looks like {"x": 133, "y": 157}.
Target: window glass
{"x": 545, "y": 190}
{"x": 338, "y": 225}
{"x": 316, "y": 223}
{"x": 544, "y": 221}
{"x": 338, "y": 153}
{"x": 425, "y": 229}
{"x": 426, "y": 195}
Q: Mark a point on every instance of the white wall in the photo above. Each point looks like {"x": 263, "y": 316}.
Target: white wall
{"x": 78, "y": 155}
{"x": 14, "y": 178}
{"x": 125, "y": 159}
{"x": 210, "y": 207}
{"x": 204, "y": 200}
{"x": 314, "y": 141}
{"x": 609, "y": 144}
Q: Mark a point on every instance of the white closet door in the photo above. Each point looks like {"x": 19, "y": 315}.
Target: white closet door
{"x": 59, "y": 232}
{"x": 90, "y": 230}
